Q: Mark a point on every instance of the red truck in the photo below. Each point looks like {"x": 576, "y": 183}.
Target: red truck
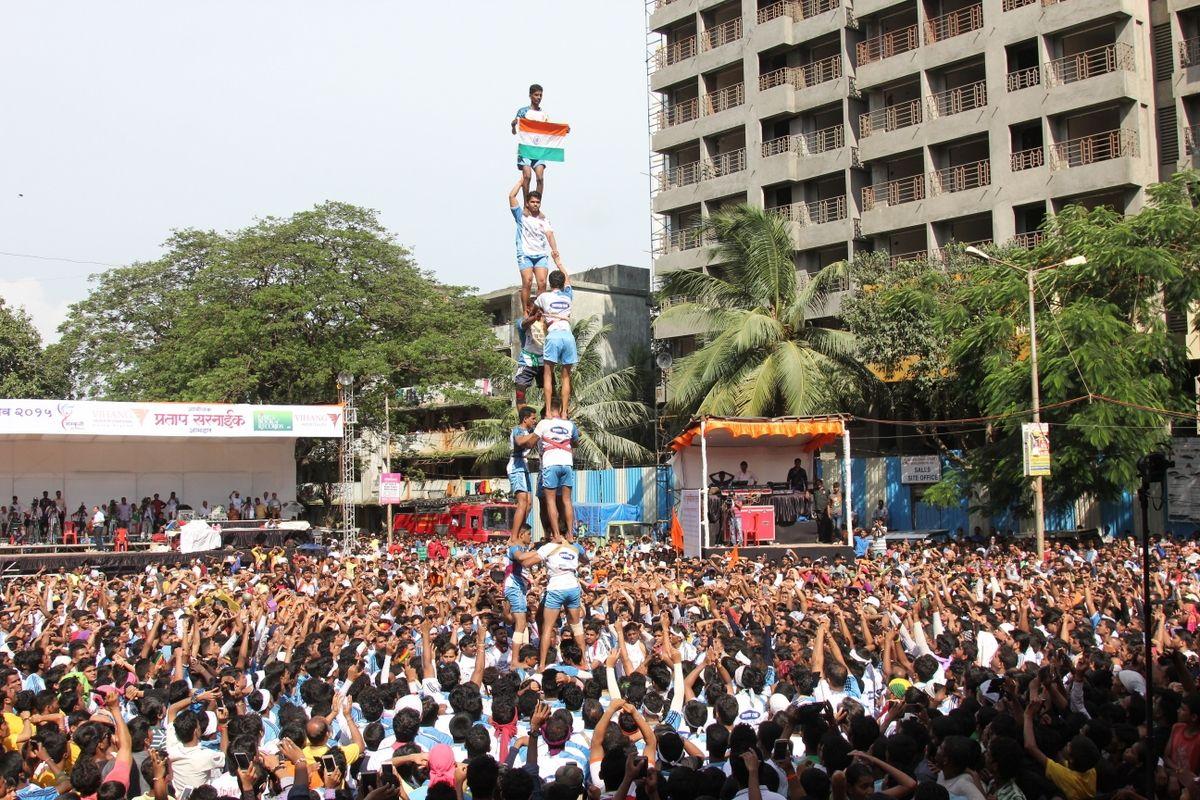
{"x": 466, "y": 521}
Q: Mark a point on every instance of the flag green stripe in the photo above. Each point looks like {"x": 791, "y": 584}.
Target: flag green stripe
{"x": 538, "y": 153}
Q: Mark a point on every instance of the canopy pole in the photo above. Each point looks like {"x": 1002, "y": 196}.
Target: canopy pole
{"x": 704, "y": 484}
{"x": 848, "y": 513}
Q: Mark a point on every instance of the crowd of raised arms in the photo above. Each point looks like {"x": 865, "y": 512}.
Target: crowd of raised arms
{"x": 939, "y": 671}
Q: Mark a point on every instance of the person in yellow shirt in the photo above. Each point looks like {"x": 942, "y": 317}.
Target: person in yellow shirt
{"x": 317, "y": 731}
{"x": 1076, "y": 778}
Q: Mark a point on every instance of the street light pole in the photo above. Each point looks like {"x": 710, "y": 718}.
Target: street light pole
{"x": 1039, "y": 509}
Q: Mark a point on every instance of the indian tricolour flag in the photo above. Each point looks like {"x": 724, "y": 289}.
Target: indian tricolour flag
{"x": 541, "y": 141}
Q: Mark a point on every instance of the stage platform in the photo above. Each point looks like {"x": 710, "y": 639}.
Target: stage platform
{"x": 775, "y": 552}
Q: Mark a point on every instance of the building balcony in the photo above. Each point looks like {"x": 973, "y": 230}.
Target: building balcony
{"x": 796, "y": 9}
{"x": 943, "y": 254}
{"x": 818, "y": 212}
{"x": 1032, "y": 158}
{"x": 893, "y": 193}
{"x": 1090, "y": 63}
{"x": 1094, "y": 148}
{"x": 962, "y": 178}
{"x": 679, "y": 240}
{"x": 1189, "y": 53}
{"x": 804, "y": 144}
{"x": 898, "y": 259}
{"x": 1013, "y": 5}
{"x": 801, "y": 77}
{"x": 1028, "y": 240}
{"x": 958, "y": 100}
{"x": 718, "y": 35}
{"x": 677, "y": 114}
{"x": 698, "y": 171}
{"x": 668, "y": 12}
{"x": 889, "y": 44}
{"x": 675, "y": 52}
{"x": 1024, "y": 78}
{"x": 723, "y": 99}
{"x": 956, "y": 23}
{"x": 890, "y": 118}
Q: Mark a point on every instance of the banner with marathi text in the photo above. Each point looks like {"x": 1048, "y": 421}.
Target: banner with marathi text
{"x": 203, "y": 420}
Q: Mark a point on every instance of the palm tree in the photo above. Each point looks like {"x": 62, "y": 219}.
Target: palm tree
{"x": 601, "y": 407}
{"x": 760, "y": 355}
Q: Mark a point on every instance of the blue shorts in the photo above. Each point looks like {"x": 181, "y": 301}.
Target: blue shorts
{"x": 518, "y": 480}
{"x": 516, "y": 599}
{"x": 523, "y": 162}
{"x": 560, "y": 348}
{"x": 532, "y": 262}
{"x": 558, "y": 476}
{"x": 563, "y": 598}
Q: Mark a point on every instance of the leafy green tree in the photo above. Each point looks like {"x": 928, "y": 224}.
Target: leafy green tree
{"x": 26, "y": 371}
{"x": 955, "y": 333}
{"x": 612, "y": 423}
{"x": 762, "y": 353}
{"x": 271, "y": 314}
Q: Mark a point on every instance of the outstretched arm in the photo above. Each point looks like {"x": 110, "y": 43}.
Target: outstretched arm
{"x": 512, "y": 195}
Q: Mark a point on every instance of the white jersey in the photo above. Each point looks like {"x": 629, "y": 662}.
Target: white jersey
{"x": 556, "y": 439}
{"x": 556, "y": 306}
{"x": 562, "y": 564}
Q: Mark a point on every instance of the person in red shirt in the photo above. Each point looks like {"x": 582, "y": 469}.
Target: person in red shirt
{"x": 1183, "y": 748}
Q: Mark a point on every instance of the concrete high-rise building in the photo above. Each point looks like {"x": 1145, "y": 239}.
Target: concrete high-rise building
{"x": 904, "y": 125}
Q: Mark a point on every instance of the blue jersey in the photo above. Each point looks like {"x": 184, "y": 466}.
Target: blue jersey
{"x": 514, "y": 571}
{"x": 516, "y": 460}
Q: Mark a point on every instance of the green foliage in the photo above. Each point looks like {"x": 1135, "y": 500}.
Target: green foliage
{"x": 26, "y": 372}
{"x": 272, "y": 313}
{"x": 958, "y": 331}
{"x": 761, "y": 355}
{"x": 612, "y": 422}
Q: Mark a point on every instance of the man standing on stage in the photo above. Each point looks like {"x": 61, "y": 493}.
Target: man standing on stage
{"x": 820, "y": 504}
{"x": 797, "y": 480}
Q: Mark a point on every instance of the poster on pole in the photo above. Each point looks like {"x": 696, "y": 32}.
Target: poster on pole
{"x": 689, "y": 520}
{"x": 920, "y": 469}
{"x": 1035, "y": 446}
{"x": 390, "y": 486}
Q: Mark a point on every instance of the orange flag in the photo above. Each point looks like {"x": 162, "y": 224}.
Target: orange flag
{"x": 676, "y": 533}
{"x": 733, "y": 556}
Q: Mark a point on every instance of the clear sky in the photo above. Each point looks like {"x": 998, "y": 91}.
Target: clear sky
{"x": 123, "y": 120}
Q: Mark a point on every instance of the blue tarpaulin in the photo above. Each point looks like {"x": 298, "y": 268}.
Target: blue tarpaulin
{"x": 594, "y": 517}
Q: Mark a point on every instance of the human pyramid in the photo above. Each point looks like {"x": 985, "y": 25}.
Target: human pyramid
{"x": 546, "y": 339}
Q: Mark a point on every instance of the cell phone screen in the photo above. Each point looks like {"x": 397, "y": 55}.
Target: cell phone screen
{"x": 242, "y": 760}
{"x": 782, "y": 750}
{"x": 329, "y": 763}
{"x": 368, "y": 780}
{"x": 387, "y": 774}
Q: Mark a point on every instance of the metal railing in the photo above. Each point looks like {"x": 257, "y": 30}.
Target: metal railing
{"x": 682, "y": 175}
{"x": 675, "y": 52}
{"x": 810, "y": 143}
{"x": 810, "y": 74}
{"x": 681, "y": 239}
{"x": 890, "y": 118}
{"x": 892, "y": 43}
{"x": 796, "y": 9}
{"x": 817, "y": 212}
{"x": 1189, "y": 52}
{"x": 943, "y": 253}
{"x": 685, "y": 111}
{"x": 1010, "y": 5}
{"x": 1027, "y": 159}
{"x": 961, "y": 178}
{"x": 724, "y": 99}
{"x": 958, "y": 100}
{"x": 1024, "y": 78}
{"x": 894, "y": 193}
{"x": 1191, "y": 139}
{"x": 1028, "y": 240}
{"x": 727, "y": 163}
{"x": 726, "y": 32}
{"x": 915, "y": 255}
{"x": 1089, "y": 63}
{"x": 1096, "y": 147}
{"x": 956, "y": 23}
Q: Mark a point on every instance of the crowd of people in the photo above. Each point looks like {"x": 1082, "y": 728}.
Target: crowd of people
{"x": 605, "y": 669}
{"x": 44, "y": 519}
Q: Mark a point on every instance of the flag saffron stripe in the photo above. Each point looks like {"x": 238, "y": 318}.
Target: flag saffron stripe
{"x": 543, "y": 128}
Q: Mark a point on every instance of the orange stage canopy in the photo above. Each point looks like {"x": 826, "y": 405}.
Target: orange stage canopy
{"x": 808, "y": 433}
